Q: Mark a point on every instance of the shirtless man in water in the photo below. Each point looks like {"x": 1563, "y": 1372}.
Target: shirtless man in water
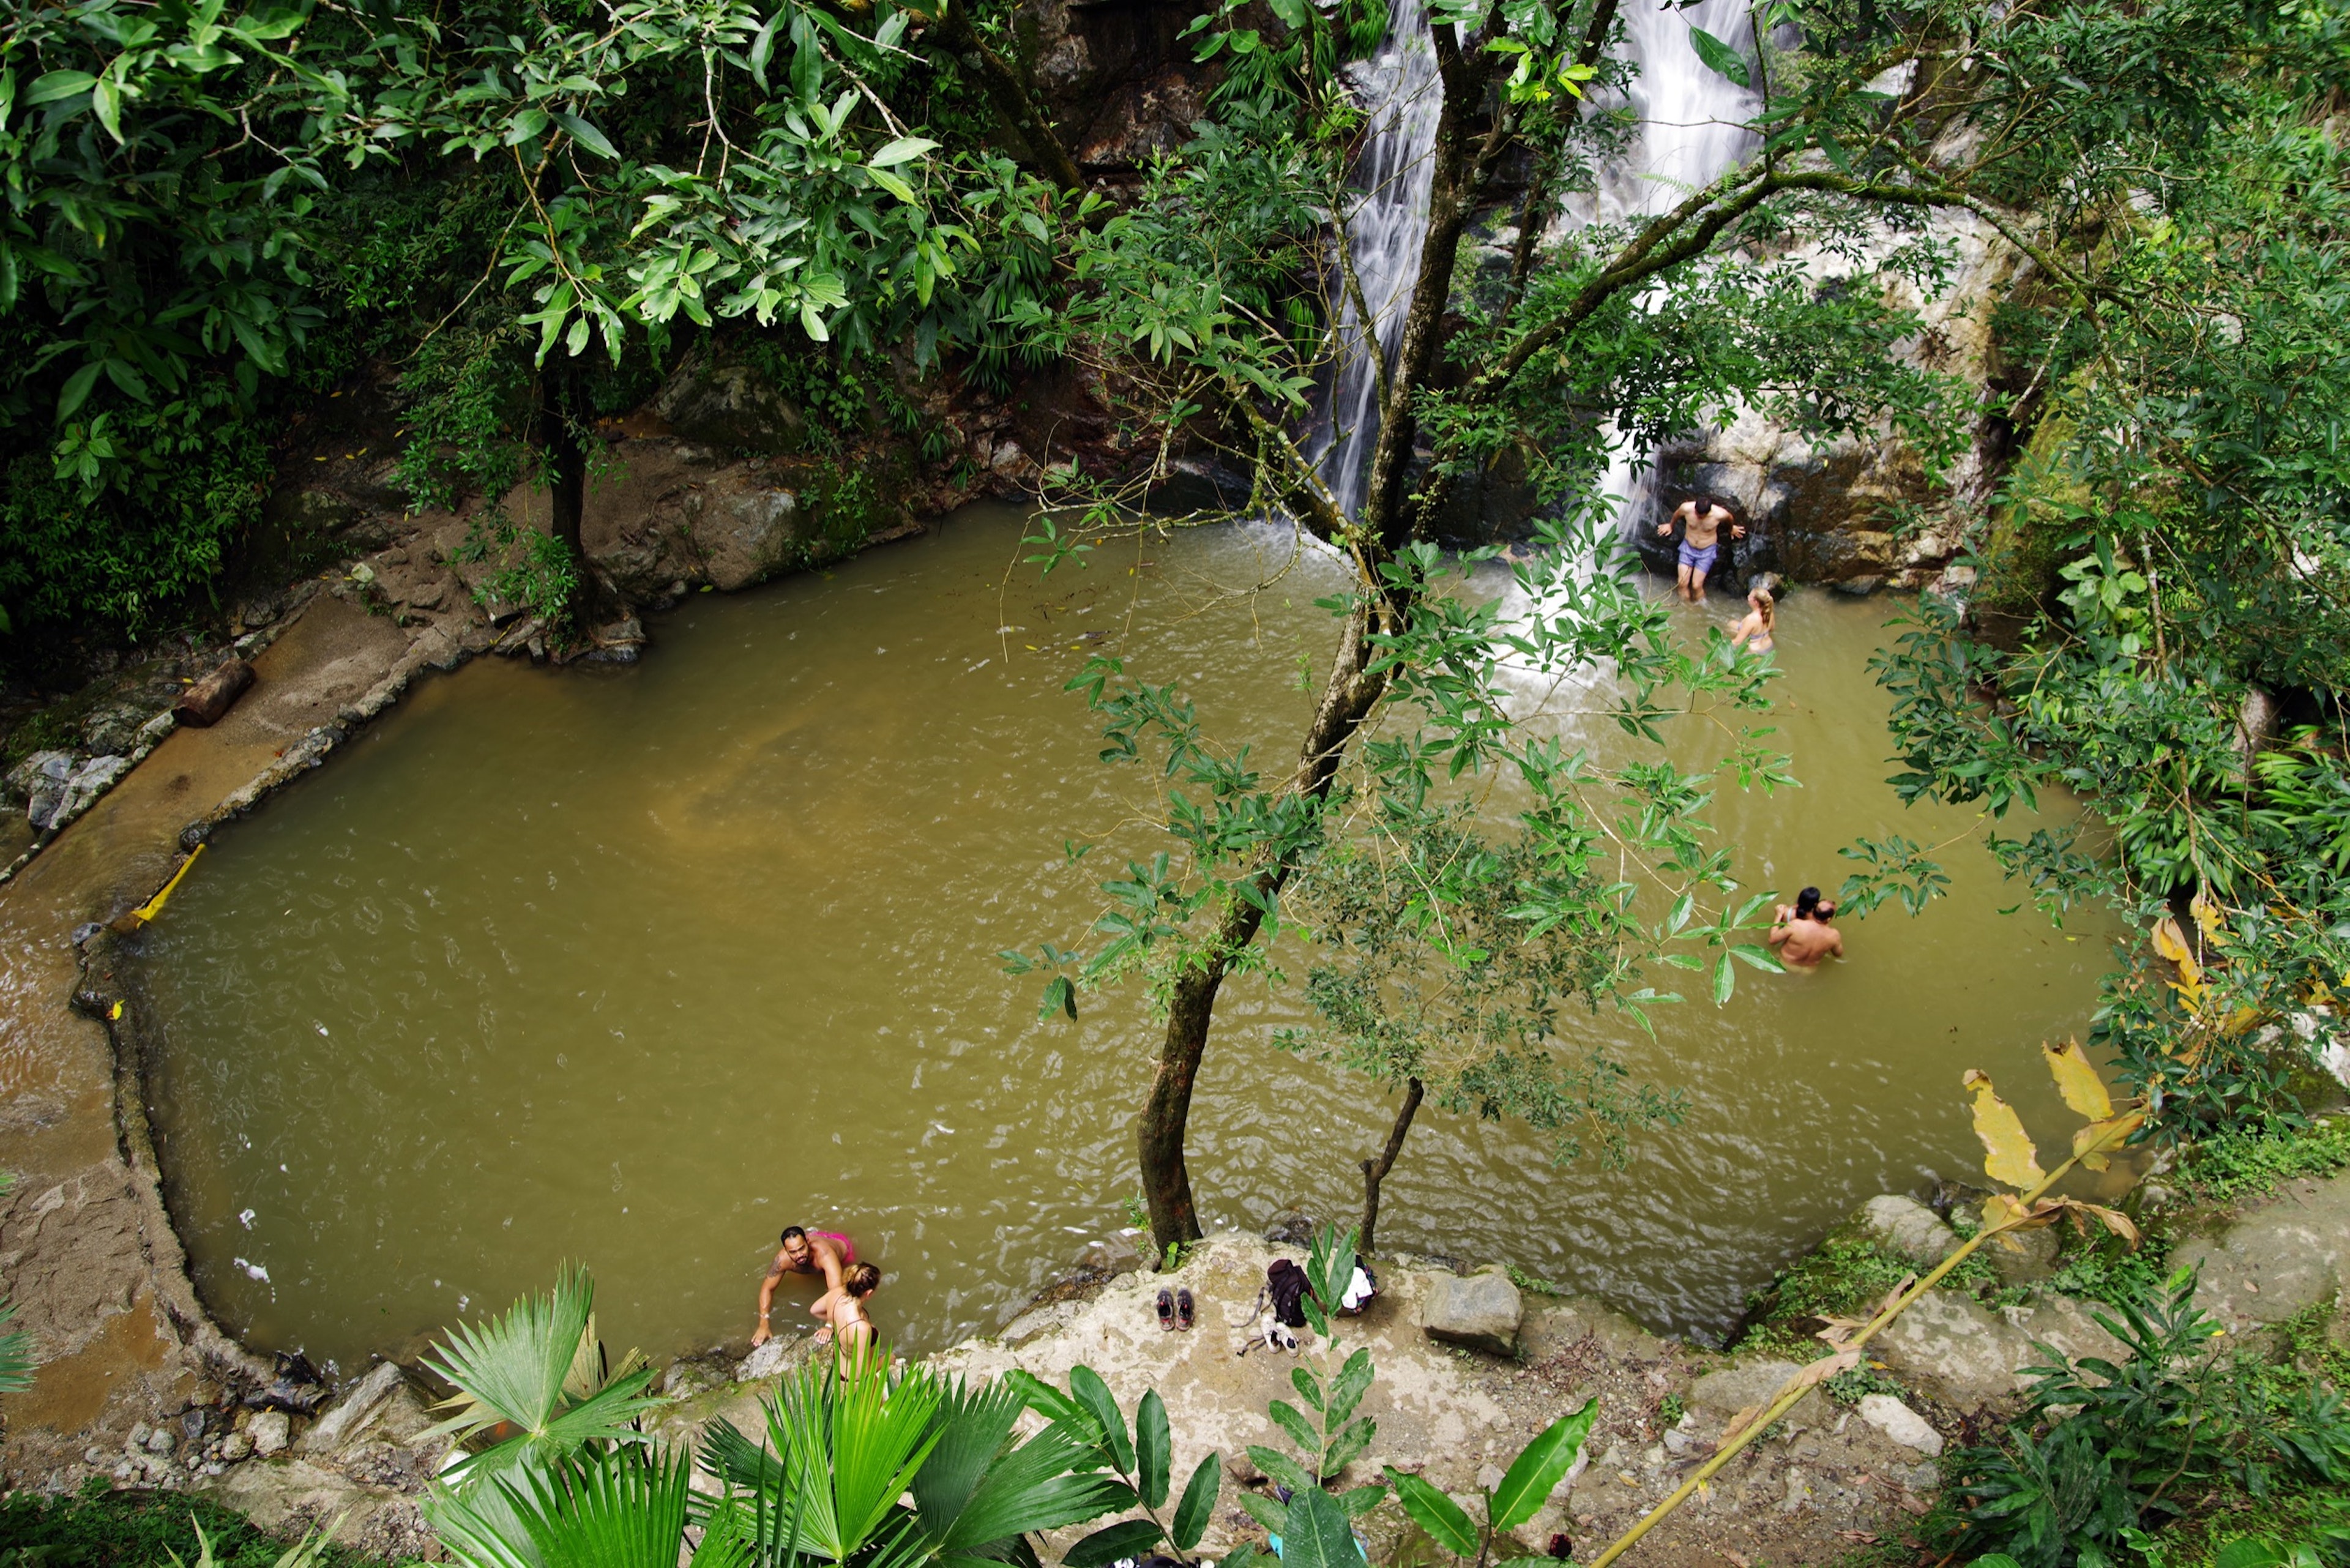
{"x": 1701, "y": 518}
{"x": 1802, "y": 935}
{"x": 822, "y": 1252}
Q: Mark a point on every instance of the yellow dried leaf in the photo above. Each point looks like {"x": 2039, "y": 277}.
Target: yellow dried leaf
{"x": 2241, "y": 1020}
{"x": 2111, "y": 1219}
{"x": 2077, "y": 1081}
{"x": 2208, "y": 916}
{"x": 2170, "y": 943}
{"x": 2010, "y": 1157}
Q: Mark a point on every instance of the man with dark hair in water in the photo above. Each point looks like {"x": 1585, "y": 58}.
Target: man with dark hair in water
{"x": 1702, "y": 519}
{"x": 820, "y": 1253}
{"x": 1803, "y": 934}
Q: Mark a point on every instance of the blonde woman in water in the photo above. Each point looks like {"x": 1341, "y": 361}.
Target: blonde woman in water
{"x": 851, "y": 1331}
{"x": 1761, "y": 616}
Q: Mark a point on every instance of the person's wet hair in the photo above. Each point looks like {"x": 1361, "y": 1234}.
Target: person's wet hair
{"x": 1807, "y": 904}
{"x": 793, "y": 1233}
{"x": 862, "y": 1280}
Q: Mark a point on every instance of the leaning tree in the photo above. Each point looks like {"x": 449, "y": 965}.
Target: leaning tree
{"x": 1517, "y": 332}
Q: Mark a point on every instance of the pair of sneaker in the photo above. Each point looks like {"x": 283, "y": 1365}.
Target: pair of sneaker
{"x": 1175, "y": 1309}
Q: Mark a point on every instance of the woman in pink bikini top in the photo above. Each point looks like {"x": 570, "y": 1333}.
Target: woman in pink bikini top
{"x": 826, "y": 1253}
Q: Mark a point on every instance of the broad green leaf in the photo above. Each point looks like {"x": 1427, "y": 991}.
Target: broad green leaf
{"x": 1538, "y": 1470}
{"x": 51, "y": 86}
{"x": 1435, "y": 1512}
{"x": 1086, "y": 1386}
{"x": 1720, "y": 58}
{"x": 1725, "y": 979}
{"x": 1128, "y": 1538}
{"x": 2247, "y": 1552}
{"x": 1320, "y": 1535}
{"x": 1198, "y": 1505}
{"x": 903, "y": 149}
{"x": 588, "y": 137}
{"x": 1153, "y": 1446}
{"x": 105, "y": 102}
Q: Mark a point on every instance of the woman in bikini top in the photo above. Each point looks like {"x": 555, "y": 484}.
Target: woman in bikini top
{"x": 1762, "y": 616}
{"x": 851, "y": 1330}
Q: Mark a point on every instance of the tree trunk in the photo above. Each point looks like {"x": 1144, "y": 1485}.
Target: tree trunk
{"x": 1375, "y": 1171}
{"x": 561, "y": 414}
{"x": 1347, "y": 699}
{"x": 1009, "y": 90}
{"x": 1352, "y": 690}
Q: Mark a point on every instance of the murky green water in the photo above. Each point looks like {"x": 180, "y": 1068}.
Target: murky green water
{"x": 636, "y": 967}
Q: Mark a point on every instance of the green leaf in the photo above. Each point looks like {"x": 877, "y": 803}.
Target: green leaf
{"x": 51, "y": 86}
{"x": 1153, "y": 1448}
{"x": 1720, "y": 58}
{"x": 1198, "y": 1506}
{"x": 1539, "y": 1467}
{"x": 1292, "y": 1420}
{"x": 105, "y": 102}
{"x": 1128, "y": 1538}
{"x": 588, "y": 137}
{"x": 1725, "y": 980}
{"x": 904, "y": 149}
{"x": 1086, "y": 1386}
{"x": 1435, "y": 1512}
{"x": 1319, "y": 1534}
{"x": 2247, "y": 1552}
{"x": 76, "y": 390}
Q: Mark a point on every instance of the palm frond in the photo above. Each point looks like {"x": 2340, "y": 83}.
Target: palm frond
{"x": 617, "y": 1508}
{"x": 974, "y": 1425}
{"x": 850, "y": 1446}
{"x": 15, "y": 1354}
{"x": 513, "y": 1368}
{"x": 540, "y": 1368}
{"x": 1051, "y": 1481}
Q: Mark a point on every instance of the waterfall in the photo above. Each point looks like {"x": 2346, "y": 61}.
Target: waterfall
{"x": 1402, "y": 100}
{"x": 1691, "y": 128}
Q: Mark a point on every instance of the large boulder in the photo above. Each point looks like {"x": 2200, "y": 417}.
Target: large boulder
{"x": 1972, "y": 1356}
{"x": 1907, "y": 1228}
{"x": 1482, "y": 1312}
{"x": 731, "y": 406}
{"x": 745, "y": 535}
{"x": 2277, "y": 1262}
{"x": 355, "y": 1409}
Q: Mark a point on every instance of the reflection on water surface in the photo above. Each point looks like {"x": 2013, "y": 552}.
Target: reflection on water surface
{"x": 637, "y": 967}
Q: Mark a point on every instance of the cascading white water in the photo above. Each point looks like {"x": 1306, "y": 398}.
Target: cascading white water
{"x": 1693, "y": 127}
{"x": 1383, "y": 237}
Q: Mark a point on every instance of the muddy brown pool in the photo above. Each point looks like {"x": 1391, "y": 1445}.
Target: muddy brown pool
{"x": 634, "y": 967}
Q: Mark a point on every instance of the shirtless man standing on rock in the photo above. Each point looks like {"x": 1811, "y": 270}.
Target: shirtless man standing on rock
{"x": 1701, "y": 518}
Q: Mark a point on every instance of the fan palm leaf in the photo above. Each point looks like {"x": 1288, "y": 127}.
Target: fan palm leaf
{"x": 539, "y": 1369}
{"x": 612, "y": 1508}
{"x": 850, "y": 1446}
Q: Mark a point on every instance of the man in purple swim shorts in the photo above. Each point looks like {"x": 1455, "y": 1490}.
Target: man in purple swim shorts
{"x": 1702, "y": 519}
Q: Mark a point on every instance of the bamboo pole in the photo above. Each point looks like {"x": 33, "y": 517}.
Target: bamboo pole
{"x": 1788, "y": 1399}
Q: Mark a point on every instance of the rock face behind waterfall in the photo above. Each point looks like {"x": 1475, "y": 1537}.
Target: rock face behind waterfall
{"x": 1859, "y": 511}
